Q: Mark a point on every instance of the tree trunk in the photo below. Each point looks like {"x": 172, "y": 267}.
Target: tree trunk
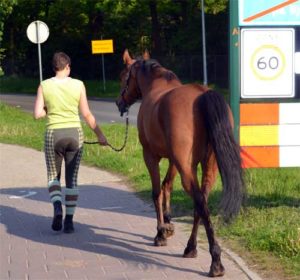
{"x": 156, "y": 38}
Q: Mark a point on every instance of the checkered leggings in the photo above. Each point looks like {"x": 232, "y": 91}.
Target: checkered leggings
{"x": 63, "y": 144}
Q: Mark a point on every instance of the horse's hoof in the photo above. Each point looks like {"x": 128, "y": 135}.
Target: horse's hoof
{"x": 170, "y": 230}
{"x": 190, "y": 253}
{"x": 158, "y": 241}
{"x": 216, "y": 270}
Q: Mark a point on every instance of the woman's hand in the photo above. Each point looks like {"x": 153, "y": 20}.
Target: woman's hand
{"x": 102, "y": 140}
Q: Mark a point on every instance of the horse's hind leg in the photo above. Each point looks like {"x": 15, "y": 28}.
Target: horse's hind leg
{"x": 167, "y": 187}
{"x": 209, "y": 171}
{"x": 190, "y": 182}
{"x": 190, "y": 250}
{"x": 216, "y": 268}
{"x": 191, "y": 185}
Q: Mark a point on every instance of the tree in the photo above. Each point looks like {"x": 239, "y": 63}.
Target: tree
{"x": 6, "y": 7}
{"x": 168, "y": 28}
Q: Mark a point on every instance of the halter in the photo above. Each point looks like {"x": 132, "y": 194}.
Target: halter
{"x": 123, "y": 92}
{"x": 125, "y": 89}
{"x": 128, "y": 75}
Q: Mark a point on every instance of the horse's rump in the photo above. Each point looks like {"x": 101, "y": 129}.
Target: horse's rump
{"x": 192, "y": 118}
{"x": 168, "y": 125}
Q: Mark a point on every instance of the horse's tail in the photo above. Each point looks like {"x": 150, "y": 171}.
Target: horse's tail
{"x": 215, "y": 113}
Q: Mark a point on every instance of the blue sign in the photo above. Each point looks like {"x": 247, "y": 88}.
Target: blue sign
{"x": 269, "y": 12}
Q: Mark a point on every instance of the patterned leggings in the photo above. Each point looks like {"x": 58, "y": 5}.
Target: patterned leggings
{"x": 63, "y": 144}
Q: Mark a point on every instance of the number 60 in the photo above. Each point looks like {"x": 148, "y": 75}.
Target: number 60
{"x": 264, "y": 63}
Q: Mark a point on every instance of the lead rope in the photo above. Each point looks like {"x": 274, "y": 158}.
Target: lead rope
{"x": 113, "y": 148}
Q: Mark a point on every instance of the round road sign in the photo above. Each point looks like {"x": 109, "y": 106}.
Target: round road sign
{"x": 37, "y": 32}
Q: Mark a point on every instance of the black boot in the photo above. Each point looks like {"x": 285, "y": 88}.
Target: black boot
{"x": 57, "y": 217}
{"x": 68, "y": 224}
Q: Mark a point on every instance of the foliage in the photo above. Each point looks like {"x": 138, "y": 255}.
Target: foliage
{"x": 6, "y": 7}
{"x": 166, "y": 27}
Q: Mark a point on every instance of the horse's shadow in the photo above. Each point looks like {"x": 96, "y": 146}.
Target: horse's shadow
{"x": 106, "y": 240}
{"x": 251, "y": 200}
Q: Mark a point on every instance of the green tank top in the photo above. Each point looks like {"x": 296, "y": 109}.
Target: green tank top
{"x": 62, "y": 98}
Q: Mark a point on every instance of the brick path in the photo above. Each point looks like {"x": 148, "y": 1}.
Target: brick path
{"x": 113, "y": 236}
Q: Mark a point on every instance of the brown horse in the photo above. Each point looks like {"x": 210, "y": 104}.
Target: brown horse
{"x": 188, "y": 125}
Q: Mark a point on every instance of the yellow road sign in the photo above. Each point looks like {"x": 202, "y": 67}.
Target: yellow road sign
{"x": 102, "y": 46}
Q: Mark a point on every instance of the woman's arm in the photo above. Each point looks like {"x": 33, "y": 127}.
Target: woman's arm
{"x": 89, "y": 117}
{"x": 39, "y": 106}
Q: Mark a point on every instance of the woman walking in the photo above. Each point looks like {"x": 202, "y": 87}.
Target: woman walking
{"x": 60, "y": 99}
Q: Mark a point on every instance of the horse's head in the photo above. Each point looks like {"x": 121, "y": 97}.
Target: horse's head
{"x": 130, "y": 91}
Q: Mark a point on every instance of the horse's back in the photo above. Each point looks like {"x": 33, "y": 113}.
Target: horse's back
{"x": 173, "y": 123}
{"x": 182, "y": 101}
{"x": 183, "y": 121}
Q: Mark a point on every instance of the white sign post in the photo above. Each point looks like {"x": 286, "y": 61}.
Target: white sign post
{"x": 267, "y": 63}
{"x": 38, "y": 33}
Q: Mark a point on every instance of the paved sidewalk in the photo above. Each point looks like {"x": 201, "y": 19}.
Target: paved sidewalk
{"x": 113, "y": 237}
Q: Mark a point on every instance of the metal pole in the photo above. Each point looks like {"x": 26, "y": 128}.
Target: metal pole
{"x": 103, "y": 73}
{"x": 39, "y": 49}
{"x": 234, "y": 70}
{"x": 203, "y": 44}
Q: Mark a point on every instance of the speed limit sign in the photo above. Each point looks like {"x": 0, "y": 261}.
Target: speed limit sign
{"x": 267, "y": 63}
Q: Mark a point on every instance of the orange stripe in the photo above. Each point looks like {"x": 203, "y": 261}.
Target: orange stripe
{"x": 263, "y": 113}
{"x": 260, "y": 157}
{"x": 270, "y": 10}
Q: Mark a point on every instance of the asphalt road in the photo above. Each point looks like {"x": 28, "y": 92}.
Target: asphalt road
{"x": 104, "y": 111}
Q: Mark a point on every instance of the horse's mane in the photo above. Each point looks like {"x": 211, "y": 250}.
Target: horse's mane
{"x": 152, "y": 67}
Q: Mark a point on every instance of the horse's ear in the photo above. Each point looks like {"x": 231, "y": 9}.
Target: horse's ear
{"x": 146, "y": 55}
{"x": 126, "y": 58}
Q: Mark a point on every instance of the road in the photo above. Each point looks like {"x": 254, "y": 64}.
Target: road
{"x": 104, "y": 111}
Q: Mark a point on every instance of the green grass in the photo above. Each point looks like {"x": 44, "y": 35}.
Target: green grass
{"x": 93, "y": 88}
{"x": 267, "y": 232}
{"x": 17, "y": 85}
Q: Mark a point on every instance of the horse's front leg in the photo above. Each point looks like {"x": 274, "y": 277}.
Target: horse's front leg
{"x": 167, "y": 187}
{"x": 152, "y": 163}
